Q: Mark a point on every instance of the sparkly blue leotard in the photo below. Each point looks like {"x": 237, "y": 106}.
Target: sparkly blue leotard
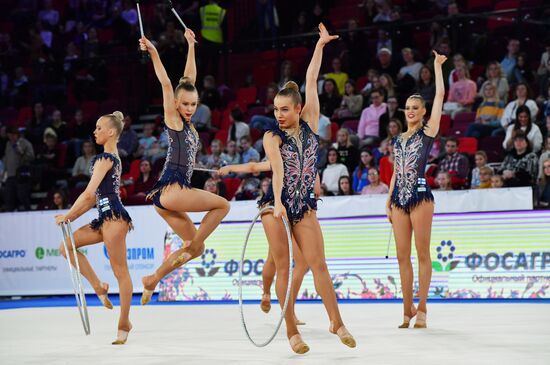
{"x": 108, "y": 201}
{"x": 300, "y": 170}
{"x": 411, "y": 157}
{"x": 180, "y": 160}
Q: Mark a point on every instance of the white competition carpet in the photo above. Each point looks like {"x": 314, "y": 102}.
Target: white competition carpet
{"x": 458, "y": 333}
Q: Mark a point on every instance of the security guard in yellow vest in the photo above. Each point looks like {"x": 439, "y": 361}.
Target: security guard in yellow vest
{"x": 211, "y": 20}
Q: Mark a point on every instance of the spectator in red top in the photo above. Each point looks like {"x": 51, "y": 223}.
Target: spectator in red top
{"x": 386, "y": 166}
{"x": 146, "y": 179}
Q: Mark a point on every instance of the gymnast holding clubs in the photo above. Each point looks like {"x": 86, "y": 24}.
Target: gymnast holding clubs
{"x": 173, "y": 195}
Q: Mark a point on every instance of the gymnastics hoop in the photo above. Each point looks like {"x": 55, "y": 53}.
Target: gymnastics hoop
{"x": 291, "y": 257}
{"x": 67, "y": 232}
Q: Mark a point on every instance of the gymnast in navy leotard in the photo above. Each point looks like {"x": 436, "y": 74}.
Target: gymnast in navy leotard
{"x": 112, "y": 224}
{"x": 410, "y": 202}
{"x": 292, "y": 149}
{"x": 411, "y": 155}
{"x": 300, "y": 155}
{"x": 173, "y": 194}
{"x": 180, "y": 159}
{"x": 108, "y": 202}
{"x": 269, "y": 269}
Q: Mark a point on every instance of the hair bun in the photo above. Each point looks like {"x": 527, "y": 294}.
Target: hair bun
{"x": 118, "y": 115}
{"x": 292, "y": 86}
{"x": 185, "y": 80}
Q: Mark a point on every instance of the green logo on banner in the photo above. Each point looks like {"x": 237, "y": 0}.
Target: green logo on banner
{"x": 42, "y": 252}
{"x": 445, "y": 255}
{"x": 39, "y": 252}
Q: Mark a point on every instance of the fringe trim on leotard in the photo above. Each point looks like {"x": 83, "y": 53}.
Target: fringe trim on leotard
{"x": 293, "y": 216}
{"x": 170, "y": 177}
{"x": 116, "y": 212}
{"x": 415, "y": 200}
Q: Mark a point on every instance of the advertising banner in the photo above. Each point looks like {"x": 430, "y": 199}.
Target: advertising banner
{"x": 479, "y": 255}
{"x": 30, "y": 261}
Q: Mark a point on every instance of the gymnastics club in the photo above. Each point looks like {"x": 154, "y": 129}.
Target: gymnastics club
{"x": 177, "y": 16}
{"x": 144, "y": 53}
{"x": 389, "y": 240}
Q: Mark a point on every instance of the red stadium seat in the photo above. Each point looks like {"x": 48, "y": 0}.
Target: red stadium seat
{"x": 24, "y": 115}
{"x": 467, "y": 145}
{"x": 464, "y": 119}
{"x": 216, "y": 119}
{"x": 351, "y": 125}
{"x": 334, "y": 130}
{"x": 231, "y": 186}
{"x": 221, "y": 135}
{"x": 245, "y": 97}
{"x": 445, "y": 124}
{"x": 255, "y": 134}
{"x": 263, "y": 75}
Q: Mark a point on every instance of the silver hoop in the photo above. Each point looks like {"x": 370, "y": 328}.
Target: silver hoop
{"x": 80, "y": 297}
{"x": 288, "y": 289}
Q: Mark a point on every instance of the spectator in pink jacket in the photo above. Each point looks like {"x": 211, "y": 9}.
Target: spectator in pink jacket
{"x": 368, "y": 129}
{"x": 461, "y": 94}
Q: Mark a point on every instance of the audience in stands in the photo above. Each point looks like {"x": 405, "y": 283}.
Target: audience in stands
{"x": 347, "y": 152}
{"x": 520, "y": 166}
{"x": 351, "y": 104}
{"x": 369, "y": 123}
{"x": 53, "y": 87}
{"x": 455, "y": 163}
{"x": 339, "y": 77}
{"x": 81, "y": 169}
{"x": 214, "y": 158}
{"x": 231, "y": 156}
{"x": 497, "y": 181}
{"x": 375, "y": 186}
{"x": 522, "y": 99}
{"x": 59, "y": 201}
{"x": 480, "y": 160}
{"x": 523, "y": 123}
{"x": 461, "y": 94}
{"x": 333, "y": 171}
{"x": 128, "y": 141}
{"x": 509, "y": 61}
{"x": 238, "y": 128}
{"x": 330, "y": 98}
{"x": 248, "y": 153}
{"x": 545, "y": 154}
{"x": 494, "y": 75}
{"x": 485, "y": 176}
{"x": 344, "y": 186}
{"x": 360, "y": 174}
{"x": 444, "y": 181}
{"x": 411, "y": 67}
{"x": 544, "y": 186}
{"x": 18, "y": 156}
{"x": 488, "y": 114}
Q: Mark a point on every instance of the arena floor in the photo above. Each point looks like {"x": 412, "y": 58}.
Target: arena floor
{"x": 458, "y": 333}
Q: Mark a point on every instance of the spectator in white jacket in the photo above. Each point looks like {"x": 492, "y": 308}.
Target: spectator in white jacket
{"x": 333, "y": 171}
{"x": 523, "y": 123}
{"x": 522, "y": 94}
